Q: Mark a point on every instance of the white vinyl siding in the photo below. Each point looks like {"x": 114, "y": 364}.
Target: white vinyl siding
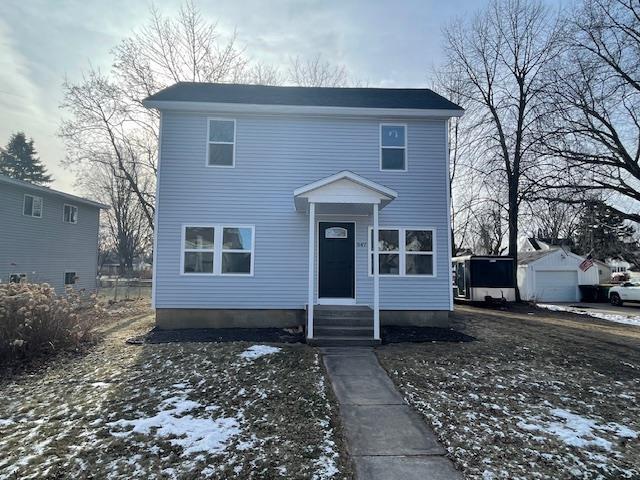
{"x": 32, "y": 206}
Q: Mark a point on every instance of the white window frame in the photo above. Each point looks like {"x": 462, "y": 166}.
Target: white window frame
{"x": 209, "y": 142}
{"x": 405, "y": 148}
{"x": 230, "y": 250}
{"x": 217, "y": 249}
{"x": 402, "y": 240}
{"x": 184, "y": 250}
{"x": 24, "y": 202}
{"x": 72, "y": 207}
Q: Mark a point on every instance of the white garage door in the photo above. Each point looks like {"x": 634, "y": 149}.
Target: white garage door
{"x": 559, "y": 286}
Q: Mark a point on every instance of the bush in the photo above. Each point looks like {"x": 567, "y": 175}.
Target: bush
{"x": 35, "y": 321}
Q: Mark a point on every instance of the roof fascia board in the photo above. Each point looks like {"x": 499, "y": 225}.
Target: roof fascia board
{"x": 380, "y": 189}
{"x": 50, "y": 191}
{"x": 212, "y": 107}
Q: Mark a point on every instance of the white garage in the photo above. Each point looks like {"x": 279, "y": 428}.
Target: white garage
{"x": 553, "y": 276}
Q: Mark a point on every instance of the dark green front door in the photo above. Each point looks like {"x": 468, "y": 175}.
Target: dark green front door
{"x": 336, "y": 258}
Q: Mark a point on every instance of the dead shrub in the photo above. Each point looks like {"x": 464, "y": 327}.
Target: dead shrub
{"x": 35, "y": 321}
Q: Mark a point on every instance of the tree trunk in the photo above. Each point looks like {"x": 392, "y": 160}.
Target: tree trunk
{"x": 513, "y": 233}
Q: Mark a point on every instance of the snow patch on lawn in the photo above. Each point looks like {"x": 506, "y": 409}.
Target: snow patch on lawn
{"x": 327, "y": 463}
{"x": 193, "y": 434}
{"x": 576, "y": 430}
{"x": 611, "y": 317}
{"x": 257, "y": 351}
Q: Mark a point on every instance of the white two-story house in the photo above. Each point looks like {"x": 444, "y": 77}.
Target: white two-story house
{"x": 269, "y": 198}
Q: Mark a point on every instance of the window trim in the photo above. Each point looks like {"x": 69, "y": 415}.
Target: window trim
{"x": 405, "y": 148}
{"x": 402, "y": 240}
{"x": 24, "y": 202}
{"x": 72, "y": 206}
{"x": 217, "y": 249}
{"x": 231, "y": 250}
{"x": 209, "y": 142}
{"x": 64, "y": 278}
{"x": 184, "y": 250}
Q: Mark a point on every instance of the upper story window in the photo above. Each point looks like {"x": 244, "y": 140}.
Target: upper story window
{"x": 70, "y": 214}
{"x": 70, "y": 278}
{"x": 393, "y": 147}
{"x": 221, "y": 143}
{"x": 32, "y": 206}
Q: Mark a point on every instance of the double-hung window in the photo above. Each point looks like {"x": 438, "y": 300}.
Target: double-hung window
{"x": 237, "y": 250}
{"x": 198, "y": 250}
{"x": 218, "y": 250}
{"x": 393, "y": 147}
{"x": 32, "y": 206}
{"x": 70, "y": 214}
{"x": 221, "y": 143}
{"x": 404, "y": 251}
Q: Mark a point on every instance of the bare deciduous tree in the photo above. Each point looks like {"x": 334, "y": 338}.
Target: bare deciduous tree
{"x": 503, "y": 54}
{"x": 594, "y": 138}
{"x": 316, "y": 72}
{"x": 107, "y": 119}
{"x": 125, "y": 221}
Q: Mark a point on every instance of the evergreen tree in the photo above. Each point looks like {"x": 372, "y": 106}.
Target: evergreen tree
{"x": 604, "y": 233}
{"x": 19, "y": 160}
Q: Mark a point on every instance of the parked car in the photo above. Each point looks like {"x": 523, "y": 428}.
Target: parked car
{"x": 627, "y": 292}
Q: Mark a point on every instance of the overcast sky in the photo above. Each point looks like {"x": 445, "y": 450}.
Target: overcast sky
{"x": 388, "y": 44}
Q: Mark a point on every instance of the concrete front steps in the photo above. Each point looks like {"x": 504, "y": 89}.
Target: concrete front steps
{"x": 342, "y": 326}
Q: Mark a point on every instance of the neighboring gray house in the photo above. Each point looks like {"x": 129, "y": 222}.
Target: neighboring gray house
{"x": 267, "y": 198}
{"x": 47, "y": 236}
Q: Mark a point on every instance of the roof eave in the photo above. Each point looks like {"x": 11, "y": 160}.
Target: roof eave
{"x": 299, "y": 109}
{"x": 40, "y": 188}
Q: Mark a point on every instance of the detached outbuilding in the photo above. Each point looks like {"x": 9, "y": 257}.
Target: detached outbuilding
{"x": 553, "y": 275}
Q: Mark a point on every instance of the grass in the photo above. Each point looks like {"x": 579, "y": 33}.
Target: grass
{"x": 182, "y": 410}
{"x": 539, "y": 395}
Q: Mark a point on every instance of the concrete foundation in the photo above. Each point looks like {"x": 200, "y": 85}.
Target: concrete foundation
{"x": 176, "y": 318}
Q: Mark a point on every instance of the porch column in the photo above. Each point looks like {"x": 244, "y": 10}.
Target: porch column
{"x": 376, "y": 276}
{"x": 312, "y": 249}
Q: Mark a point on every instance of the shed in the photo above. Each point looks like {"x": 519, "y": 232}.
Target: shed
{"x": 553, "y": 276}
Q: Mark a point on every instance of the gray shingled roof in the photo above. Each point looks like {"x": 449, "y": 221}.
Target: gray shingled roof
{"x": 412, "y": 98}
{"x": 40, "y": 188}
{"x": 525, "y": 258}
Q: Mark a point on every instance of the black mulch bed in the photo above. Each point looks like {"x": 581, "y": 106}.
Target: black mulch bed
{"x": 422, "y": 334}
{"x": 270, "y": 335}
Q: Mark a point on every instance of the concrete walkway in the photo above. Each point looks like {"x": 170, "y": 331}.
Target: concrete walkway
{"x": 386, "y": 438}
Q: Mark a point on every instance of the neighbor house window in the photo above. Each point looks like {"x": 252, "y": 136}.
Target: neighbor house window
{"x": 221, "y": 143}
{"x": 237, "y": 250}
{"x": 393, "y": 147}
{"x": 218, "y": 250}
{"x": 70, "y": 278}
{"x": 17, "y": 277}
{"x": 404, "y": 251}
{"x": 32, "y": 206}
{"x": 70, "y": 214}
{"x": 198, "y": 250}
